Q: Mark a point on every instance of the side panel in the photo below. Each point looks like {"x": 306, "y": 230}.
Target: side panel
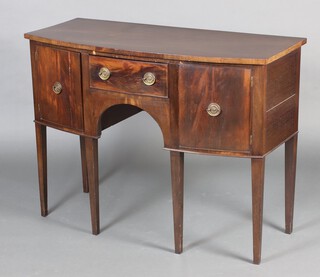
{"x": 282, "y": 99}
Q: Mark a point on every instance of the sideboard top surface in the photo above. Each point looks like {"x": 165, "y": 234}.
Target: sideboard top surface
{"x": 183, "y": 44}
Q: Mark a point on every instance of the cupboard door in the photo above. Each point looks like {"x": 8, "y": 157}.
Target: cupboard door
{"x": 57, "y": 87}
{"x": 203, "y": 126}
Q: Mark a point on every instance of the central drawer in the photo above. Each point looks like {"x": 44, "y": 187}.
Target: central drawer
{"x": 126, "y": 76}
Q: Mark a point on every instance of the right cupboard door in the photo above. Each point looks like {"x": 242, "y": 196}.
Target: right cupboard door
{"x": 214, "y": 107}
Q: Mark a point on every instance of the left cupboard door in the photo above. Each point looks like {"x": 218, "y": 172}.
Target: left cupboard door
{"x": 57, "y": 87}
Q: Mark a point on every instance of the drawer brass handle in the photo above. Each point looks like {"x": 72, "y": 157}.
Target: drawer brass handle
{"x": 149, "y": 79}
{"x": 213, "y": 109}
{"x": 57, "y": 88}
{"x": 104, "y": 73}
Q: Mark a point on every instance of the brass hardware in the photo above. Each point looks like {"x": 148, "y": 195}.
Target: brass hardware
{"x": 149, "y": 79}
{"x": 57, "y": 88}
{"x": 104, "y": 73}
{"x": 213, "y": 109}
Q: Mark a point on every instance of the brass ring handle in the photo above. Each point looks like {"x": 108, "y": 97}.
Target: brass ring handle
{"x": 149, "y": 79}
{"x": 57, "y": 88}
{"x": 213, "y": 109}
{"x": 104, "y": 73}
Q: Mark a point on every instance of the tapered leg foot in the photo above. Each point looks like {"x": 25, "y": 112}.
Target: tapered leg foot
{"x": 290, "y": 178}
{"x": 257, "y": 172}
{"x": 177, "y": 172}
{"x": 84, "y": 165}
{"x": 41, "y": 141}
{"x": 91, "y": 148}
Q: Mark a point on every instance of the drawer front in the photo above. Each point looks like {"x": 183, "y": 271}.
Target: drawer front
{"x": 225, "y": 87}
{"x": 129, "y": 76}
{"x": 57, "y": 87}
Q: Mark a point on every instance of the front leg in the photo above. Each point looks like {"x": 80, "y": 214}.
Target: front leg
{"x": 41, "y": 141}
{"x": 91, "y": 150}
{"x": 177, "y": 172}
{"x": 257, "y": 173}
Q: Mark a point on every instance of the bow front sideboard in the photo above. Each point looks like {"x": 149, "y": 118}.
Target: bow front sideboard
{"x": 211, "y": 92}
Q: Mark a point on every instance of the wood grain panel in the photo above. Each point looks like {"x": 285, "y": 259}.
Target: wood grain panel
{"x": 281, "y": 76}
{"x": 281, "y": 123}
{"x": 258, "y": 109}
{"x": 126, "y": 76}
{"x": 51, "y": 65}
{"x": 229, "y": 86}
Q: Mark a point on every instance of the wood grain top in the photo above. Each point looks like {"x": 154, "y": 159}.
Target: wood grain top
{"x": 182, "y": 44}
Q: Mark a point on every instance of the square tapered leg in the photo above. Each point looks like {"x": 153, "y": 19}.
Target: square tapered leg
{"x": 41, "y": 141}
{"x": 290, "y": 179}
{"x": 91, "y": 148}
{"x": 84, "y": 165}
{"x": 177, "y": 172}
{"x": 257, "y": 173}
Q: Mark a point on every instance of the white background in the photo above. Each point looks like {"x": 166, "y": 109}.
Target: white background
{"x": 133, "y": 168}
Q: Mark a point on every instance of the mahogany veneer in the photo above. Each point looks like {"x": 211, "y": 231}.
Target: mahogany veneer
{"x": 211, "y": 92}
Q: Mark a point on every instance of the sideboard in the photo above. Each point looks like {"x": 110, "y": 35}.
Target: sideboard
{"x": 211, "y": 92}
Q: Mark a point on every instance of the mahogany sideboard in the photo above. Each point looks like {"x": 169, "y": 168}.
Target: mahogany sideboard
{"x": 211, "y": 92}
